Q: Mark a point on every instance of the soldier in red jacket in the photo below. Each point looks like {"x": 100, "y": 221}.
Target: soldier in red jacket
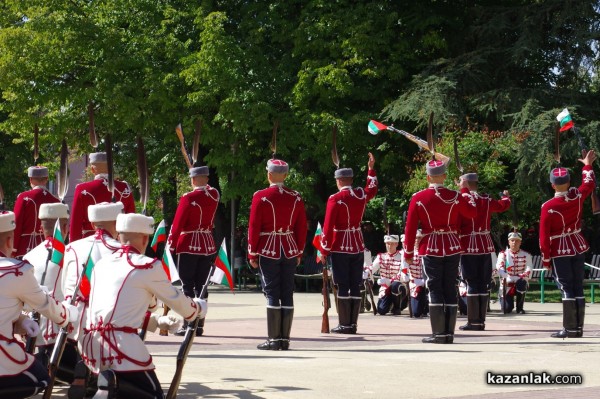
{"x": 342, "y": 238}
{"x": 476, "y": 259}
{"x": 276, "y": 239}
{"x": 437, "y": 210}
{"x": 94, "y": 192}
{"x": 191, "y": 237}
{"x": 562, "y": 244}
{"x": 28, "y": 230}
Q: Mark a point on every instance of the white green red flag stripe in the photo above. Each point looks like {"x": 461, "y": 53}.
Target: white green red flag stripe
{"x": 222, "y": 274}
{"x": 317, "y": 243}
{"x": 169, "y": 265}
{"x": 566, "y": 122}
{"x": 160, "y": 235}
{"x": 58, "y": 245}
{"x": 85, "y": 286}
{"x": 376, "y": 127}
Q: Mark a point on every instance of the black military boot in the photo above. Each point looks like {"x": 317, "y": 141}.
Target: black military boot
{"x": 483, "y": 308}
{"x": 287, "y": 315}
{"x": 81, "y": 374}
{"x": 344, "y": 309}
{"x": 473, "y": 321}
{"x": 450, "y": 322}
{"x": 569, "y": 321}
{"x": 181, "y": 331}
{"x": 200, "y": 328}
{"x": 520, "y": 298}
{"x": 273, "y": 330}
{"x": 437, "y": 318}
{"x": 580, "y": 316}
{"x": 107, "y": 385}
{"x": 354, "y": 310}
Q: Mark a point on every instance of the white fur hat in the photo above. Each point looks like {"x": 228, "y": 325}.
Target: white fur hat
{"x": 104, "y": 211}
{"x": 7, "y": 221}
{"x": 54, "y": 211}
{"x": 391, "y": 238}
{"x": 135, "y": 223}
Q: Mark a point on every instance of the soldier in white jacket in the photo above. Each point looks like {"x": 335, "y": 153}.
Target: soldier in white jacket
{"x": 49, "y": 274}
{"x": 123, "y": 285}
{"x": 393, "y": 278}
{"x": 21, "y": 375}
{"x": 514, "y": 269}
{"x": 418, "y": 292}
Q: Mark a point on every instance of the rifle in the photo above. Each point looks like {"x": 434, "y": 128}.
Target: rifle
{"x": 369, "y": 287}
{"x": 61, "y": 339}
{"x": 186, "y": 155}
{"x": 375, "y": 127}
{"x": 35, "y": 316}
{"x": 186, "y": 345}
{"x": 326, "y": 304}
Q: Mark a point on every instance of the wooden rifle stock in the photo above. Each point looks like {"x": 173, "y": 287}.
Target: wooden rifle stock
{"x": 369, "y": 286}
{"x": 186, "y": 345}
{"x": 326, "y": 305}
{"x": 166, "y": 309}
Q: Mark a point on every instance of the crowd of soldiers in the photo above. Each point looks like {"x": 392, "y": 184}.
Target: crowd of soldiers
{"x": 105, "y": 289}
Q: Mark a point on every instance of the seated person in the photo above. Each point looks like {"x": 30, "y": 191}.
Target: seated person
{"x": 419, "y": 301}
{"x": 514, "y": 268}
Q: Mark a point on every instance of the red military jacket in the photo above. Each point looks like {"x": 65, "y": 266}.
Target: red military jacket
{"x": 192, "y": 229}
{"x": 277, "y": 225}
{"x": 28, "y": 228}
{"x": 341, "y": 228}
{"x": 475, "y": 234}
{"x": 91, "y": 193}
{"x": 560, "y": 220}
{"x": 437, "y": 209}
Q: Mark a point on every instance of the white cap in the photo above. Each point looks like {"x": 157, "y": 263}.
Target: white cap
{"x": 53, "y": 211}
{"x": 135, "y": 223}
{"x": 104, "y": 211}
{"x": 7, "y": 221}
{"x": 97, "y": 157}
{"x": 391, "y": 238}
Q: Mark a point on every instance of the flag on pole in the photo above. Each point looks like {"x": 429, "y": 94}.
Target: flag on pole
{"x": 169, "y": 265}
{"x": 222, "y": 274}
{"x": 85, "y": 286}
{"x": 160, "y": 235}
{"x": 376, "y": 127}
{"x": 565, "y": 120}
{"x": 58, "y": 245}
{"x": 317, "y": 243}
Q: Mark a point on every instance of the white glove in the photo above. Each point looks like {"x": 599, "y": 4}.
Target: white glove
{"x": 513, "y": 279}
{"x": 365, "y": 274}
{"x": 30, "y": 327}
{"x": 419, "y": 282}
{"x": 73, "y": 315}
{"x": 203, "y": 306}
{"x": 170, "y": 323}
{"x": 384, "y": 281}
{"x": 45, "y": 289}
{"x": 502, "y": 273}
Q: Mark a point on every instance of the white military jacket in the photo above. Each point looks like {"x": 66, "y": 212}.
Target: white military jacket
{"x": 513, "y": 266}
{"x": 101, "y": 244}
{"x": 122, "y": 288}
{"x": 37, "y": 257}
{"x": 18, "y": 286}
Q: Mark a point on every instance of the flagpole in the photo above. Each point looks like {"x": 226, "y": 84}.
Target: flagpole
{"x": 232, "y": 241}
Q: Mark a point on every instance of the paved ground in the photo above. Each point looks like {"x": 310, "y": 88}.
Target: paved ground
{"x": 385, "y": 358}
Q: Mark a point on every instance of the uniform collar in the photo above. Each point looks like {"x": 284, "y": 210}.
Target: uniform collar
{"x": 39, "y": 188}
{"x": 560, "y": 194}
{"x": 435, "y": 185}
{"x": 101, "y": 176}
{"x": 346, "y": 188}
{"x": 200, "y": 187}
{"x": 276, "y": 184}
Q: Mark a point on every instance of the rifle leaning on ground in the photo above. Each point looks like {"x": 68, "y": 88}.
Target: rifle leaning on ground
{"x": 186, "y": 345}
{"x": 326, "y": 301}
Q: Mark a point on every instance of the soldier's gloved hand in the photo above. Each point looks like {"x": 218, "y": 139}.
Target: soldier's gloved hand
{"x": 73, "y": 312}
{"x": 419, "y": 282}
{"x": 203, "y": 306}
{"x": 30, "y": 327}
{"x": 365, "y": 274}
{"x": 502, "y": 273}
{"x": 384, "y": 281}
{"x": 45, "y": 289}
{"x": 170, "y": 323}
{"x": 512, "y": 279}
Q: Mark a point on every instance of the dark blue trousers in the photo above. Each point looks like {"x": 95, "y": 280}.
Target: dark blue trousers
{"x": 278, "y": 281}
{"x": 441, "y": 273}
{"x": 347, "y": 273}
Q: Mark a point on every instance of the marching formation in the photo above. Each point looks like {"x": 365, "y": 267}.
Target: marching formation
{"x": 84, "y": 307}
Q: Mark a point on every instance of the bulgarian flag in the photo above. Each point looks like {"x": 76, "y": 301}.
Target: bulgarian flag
{"x": 565, "y": 120}
{"x": 317, "y": 243}
{"x": 169, "y": 265}
{"x": 376, "y": 127}
{"x": 85, "y": 286}
{"x": 222, "y": 274}
{"x": 160, "y": 235}
{"x": 58, "y": 245}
